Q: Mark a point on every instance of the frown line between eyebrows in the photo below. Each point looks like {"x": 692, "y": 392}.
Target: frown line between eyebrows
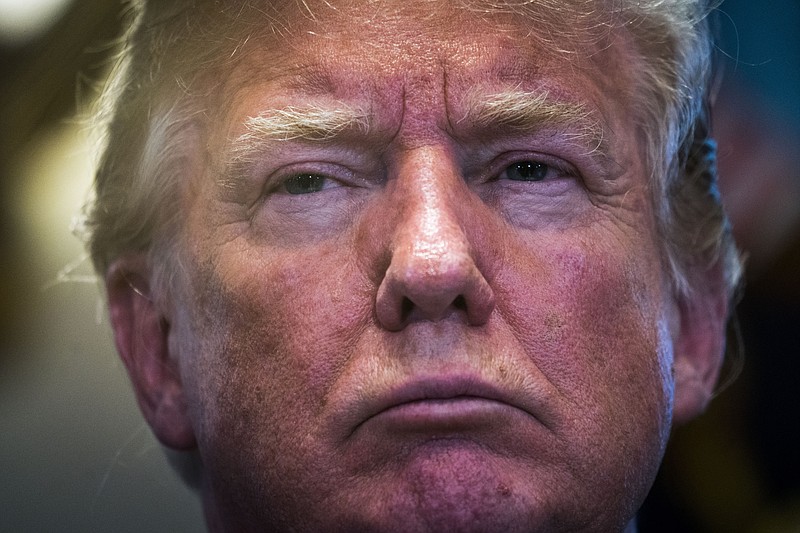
{"x": 513, "y": 111}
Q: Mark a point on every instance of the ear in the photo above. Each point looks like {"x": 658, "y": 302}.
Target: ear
{"x": 141, "y": 333}
{"x": 699, "y": 346}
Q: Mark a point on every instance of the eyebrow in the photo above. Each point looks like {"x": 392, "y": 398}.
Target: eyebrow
{"x": 293, "y": 123}
{"x": 521, "y": 112}
{"x": 530, "y": 112}
{"x": 306, "y": 123}
{"x": 311, "y": 123}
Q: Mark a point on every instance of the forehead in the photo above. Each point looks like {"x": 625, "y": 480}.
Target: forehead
{"x": 392, "y": 32}
{"x": 383, "y": 52}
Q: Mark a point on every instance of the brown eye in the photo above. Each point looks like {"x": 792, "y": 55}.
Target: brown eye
{"x": 304, "y": 184}
{"x": 527, "y": 171}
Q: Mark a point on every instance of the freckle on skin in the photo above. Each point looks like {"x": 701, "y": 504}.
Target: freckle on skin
{"x": 503, "y": 490}
{"x": 553, "y": 321}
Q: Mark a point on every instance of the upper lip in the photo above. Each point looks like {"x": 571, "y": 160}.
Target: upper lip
{"x": 443, "y": 388}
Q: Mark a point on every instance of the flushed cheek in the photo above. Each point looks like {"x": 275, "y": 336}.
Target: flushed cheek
{"x": 276, "y": 333}
{"x": 590, "y": 321}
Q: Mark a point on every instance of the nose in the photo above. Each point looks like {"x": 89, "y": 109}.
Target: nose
{"x": 432, "y": 272}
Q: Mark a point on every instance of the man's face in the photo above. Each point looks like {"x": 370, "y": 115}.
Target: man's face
{"x": 423, "y": 289}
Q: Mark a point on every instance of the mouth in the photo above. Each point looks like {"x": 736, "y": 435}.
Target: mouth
{"x": 441, "y": 406}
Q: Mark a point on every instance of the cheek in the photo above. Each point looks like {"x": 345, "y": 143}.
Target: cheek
{"x": 590, "y": 318}
{"x": 275, "y": 335}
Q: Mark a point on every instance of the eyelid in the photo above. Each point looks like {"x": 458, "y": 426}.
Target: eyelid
{"x": 324, "y": 182}
{"x": 332, "y": 172}
{"x": 503, "y": 161}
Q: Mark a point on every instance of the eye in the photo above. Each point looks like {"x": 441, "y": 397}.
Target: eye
{"x": 527, "y": 171}
{"x": 305, "y": 184}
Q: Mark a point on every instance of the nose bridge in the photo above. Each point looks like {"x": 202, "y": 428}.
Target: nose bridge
{"x": 431, "y": 235}
{"x": 432, "y": 271}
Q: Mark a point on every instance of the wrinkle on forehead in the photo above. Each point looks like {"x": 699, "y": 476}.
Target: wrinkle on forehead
{"x": 424, "y": 31}
{"x": 324, "y": 61}
{"x": 568, "y": 24}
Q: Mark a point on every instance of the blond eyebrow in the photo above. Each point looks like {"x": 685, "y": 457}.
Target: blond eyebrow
{"x": 520, "y": 111}
{"x": 311, "y": 123}
{"x": 527, "y": 112}
{"x": 292, "y": 123}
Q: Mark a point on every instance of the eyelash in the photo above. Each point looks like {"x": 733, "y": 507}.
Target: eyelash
{"x": 295, "y": 184}
{"x": 315, "y": 177}
{"x": 528, "y": 170}
{"x": 541, "y": 167}
{"x": 534, "y": 163}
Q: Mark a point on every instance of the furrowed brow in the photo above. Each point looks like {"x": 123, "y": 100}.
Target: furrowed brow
{"x": 311, "y": 124}
{"x": 528, "y": 112}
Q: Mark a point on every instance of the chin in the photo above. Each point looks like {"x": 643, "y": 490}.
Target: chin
{"x": 457, "y": 485}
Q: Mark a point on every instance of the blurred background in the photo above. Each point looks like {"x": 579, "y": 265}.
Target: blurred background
{"x": 75, "y": 454}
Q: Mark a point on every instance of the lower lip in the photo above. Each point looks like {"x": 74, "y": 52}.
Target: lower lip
{"x": 451, "y": 415}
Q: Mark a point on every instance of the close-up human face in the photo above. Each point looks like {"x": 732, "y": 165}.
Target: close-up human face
{"x": 423, "y": 288}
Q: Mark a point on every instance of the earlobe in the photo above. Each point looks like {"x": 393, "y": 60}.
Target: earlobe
{"x": 698, "y": 350}
{"x": 141, "y": 333}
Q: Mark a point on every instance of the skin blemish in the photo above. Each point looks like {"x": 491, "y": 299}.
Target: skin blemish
{"x": 503, "y": 490}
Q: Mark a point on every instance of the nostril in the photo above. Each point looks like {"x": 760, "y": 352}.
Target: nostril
{"x": 405, "y": 309}
{"x": 408, "y": 308}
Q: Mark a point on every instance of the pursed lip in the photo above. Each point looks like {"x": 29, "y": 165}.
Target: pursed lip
{"x": 445, "y": 402}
